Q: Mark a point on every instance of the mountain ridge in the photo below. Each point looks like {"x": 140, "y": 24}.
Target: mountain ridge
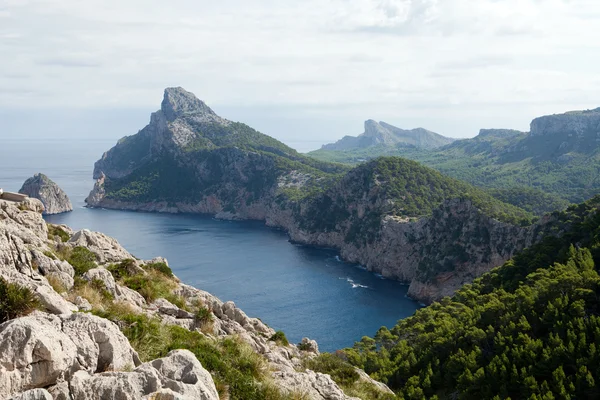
{"x": 559, "y": 157}
{"x": 382, "y": 133}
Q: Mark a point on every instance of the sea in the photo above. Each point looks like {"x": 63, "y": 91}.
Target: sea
{"x": 301, "y": 290}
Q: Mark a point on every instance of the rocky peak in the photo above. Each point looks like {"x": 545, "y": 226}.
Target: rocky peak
{"x": 178, "y": 102}
{"x": 54, "y": 199}
{"x": 374, "y": 130}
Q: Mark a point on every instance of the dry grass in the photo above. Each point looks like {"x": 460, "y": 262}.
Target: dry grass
{"x": 93, "y": 295}
{"x": 56, "y": 283}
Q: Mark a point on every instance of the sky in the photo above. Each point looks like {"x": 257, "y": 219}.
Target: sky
{"x": 306, "y": 72}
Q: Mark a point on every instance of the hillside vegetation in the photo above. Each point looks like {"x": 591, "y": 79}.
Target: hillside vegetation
{"x": 528, "y": 329}
{"x": 399, "y": 187}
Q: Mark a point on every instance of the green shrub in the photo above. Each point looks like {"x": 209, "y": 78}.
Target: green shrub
{"x": 279, "y": 338}
{"x": 101, "y": 288}
{"x": 151, "y": 286}
{"x": 161, "y": 267}
{"x": 122, "y": 269}
{"x": 55, "y": 230}
{"x": 341, "y": 371}
{"x": 15, "y": 301}
{"x": 81, "y": 259}
{"x": 203, "y": 314}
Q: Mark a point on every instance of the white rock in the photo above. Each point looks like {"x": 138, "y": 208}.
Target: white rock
{"x": 33, "y": 394}
{"x": 106, "y": 248}
{"x": 101, "y": 346}
{"x": 34, "y": 352}
{"x": 115, "y": 385}
{"x": 309, "y": 345}
{"x": 183, "y": 373}
{"x": 178, "y": 375}
{"x": 83, "y": 304}
{"x": 53, "y": 302}
{"x": 314, "y": 385}
{"x": 167, "y": 308}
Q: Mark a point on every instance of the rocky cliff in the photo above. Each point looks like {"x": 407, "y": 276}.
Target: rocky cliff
{"x": 102, "y": 324}
{"x": 54, "y": 199}
{"x": 386, "y": 135}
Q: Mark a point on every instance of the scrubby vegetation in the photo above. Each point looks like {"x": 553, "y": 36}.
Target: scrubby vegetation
{"x": 79, "y": 257}
{"x": 238, "y": 372}
{"x": 280, "y": 339}
{"x": 57, "y": 231}
{"x": 527, "y": 329}
{"x": 15, "y": 301}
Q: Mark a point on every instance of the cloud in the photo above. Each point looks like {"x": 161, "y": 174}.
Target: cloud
{"x": 340, "y": 58}
{"x": 69, "y": 62}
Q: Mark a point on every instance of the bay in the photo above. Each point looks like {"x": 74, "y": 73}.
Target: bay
{"x": 301, "y": 290}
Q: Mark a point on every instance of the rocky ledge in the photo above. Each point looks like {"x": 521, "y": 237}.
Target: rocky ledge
{"x": 54, "y": 199}
{"x": 102, "y": 324}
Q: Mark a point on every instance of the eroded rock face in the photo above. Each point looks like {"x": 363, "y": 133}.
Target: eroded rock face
{"x": 54, "y": 199}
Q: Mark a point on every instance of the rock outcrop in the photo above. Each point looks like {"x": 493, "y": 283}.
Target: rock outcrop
{"x": 58, "y": 353}
{"x": 54, "y": 199}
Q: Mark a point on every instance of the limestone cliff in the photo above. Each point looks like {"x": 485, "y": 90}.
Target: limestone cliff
{"x": 59, "y": 353}
{"x": 54, "y": 199}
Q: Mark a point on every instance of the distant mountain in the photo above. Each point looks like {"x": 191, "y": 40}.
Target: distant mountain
{"x": 559, "y": 157}
{"x": 383, "y": 134}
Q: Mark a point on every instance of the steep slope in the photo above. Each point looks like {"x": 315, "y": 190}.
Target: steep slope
{"x": 559, "y": 157}
{"x": 381, "y": 134}
{"x": 528, "y": 329}
{"x": 81, "y": 318}
{"x": 383, "y": 215}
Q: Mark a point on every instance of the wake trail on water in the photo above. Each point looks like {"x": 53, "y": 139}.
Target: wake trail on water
{"x": 354, "y": 284}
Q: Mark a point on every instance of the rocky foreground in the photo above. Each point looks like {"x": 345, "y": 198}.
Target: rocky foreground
{"x": 91, "y": 296}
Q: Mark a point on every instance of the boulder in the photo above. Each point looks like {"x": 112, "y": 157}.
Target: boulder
{"x": 100, "y": 344}
{"x": 182, "y": 372}
{"x": 165, "y": 307}
{"x": 34, "y": 352}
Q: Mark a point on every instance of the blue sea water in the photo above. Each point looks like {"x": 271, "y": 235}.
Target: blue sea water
{"x": 301, "y": 290}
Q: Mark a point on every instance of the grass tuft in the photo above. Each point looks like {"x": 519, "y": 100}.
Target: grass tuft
{"x": 16, "y": 301}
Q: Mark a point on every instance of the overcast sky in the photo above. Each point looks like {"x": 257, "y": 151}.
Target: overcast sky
{"x": 306, "y": 72}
